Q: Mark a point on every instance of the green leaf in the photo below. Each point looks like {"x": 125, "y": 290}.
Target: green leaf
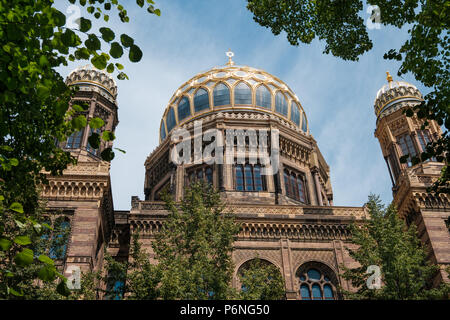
{"x": 42, "y": 91}
{"x": 79, "y": 122}
{"x": 16, "y": 293}
{"x": 107, "y": 34}
{"x": 93, "y": 43}
{"x": 5, "y": 244}
{"x": 122, "y": 76}
{"x": 116, "y": 50}
{"x": 96, "y": 123}
{"x": 119, "y": 66}
{"x": 24, "y": 258}
{"x": 47, "y": 273}
{"x": 62, "y": 289}
{"x": 14, "y": 162}
{"x": 107, "y": 154}
{"x": 121, "y": 150}
{"x": 85, "y": 24}
{"x": 108, "y": 136}
{"x": 135, "y": 54}
{"x": 158, "y": 12}
{"x": 94, "y": 140}
{"x": 126, "y": 40}
{"x": 17, "y": 207}
{"x": 110, "y": 68}
{"x": 43, "y": 258}
{"x": 22, "y": 240}
{"x": 99, "y": 62}
{"x": 140, "y": 3}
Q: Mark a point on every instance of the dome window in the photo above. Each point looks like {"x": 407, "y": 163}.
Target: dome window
{"x": 163, "y": 130}
{"x": 295, "y": 113}
{"x": 221, "y": 95}
{"x": 263, "y": 97}
{"x": 281, "y": 105}
{"x": 201, "y": 100}
{"x": 304, "y": 123}
{"x": 184, "y": 109}
{"x": 242, "y": 94}
{"x": 170, "y": 120}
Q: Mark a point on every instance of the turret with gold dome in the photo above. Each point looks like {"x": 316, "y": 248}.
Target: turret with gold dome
{"x": 395, "y": 95}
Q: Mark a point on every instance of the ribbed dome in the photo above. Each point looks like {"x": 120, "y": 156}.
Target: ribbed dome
{"x": 90, "y": 78}
{"x": 392, "y": 96}
{"x": 232, "y": 88}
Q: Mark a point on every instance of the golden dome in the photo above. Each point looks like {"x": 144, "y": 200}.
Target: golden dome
{"x": 232, "y": 88}
{"x": 393, "y": 95}
{"x": 89, "y": 78}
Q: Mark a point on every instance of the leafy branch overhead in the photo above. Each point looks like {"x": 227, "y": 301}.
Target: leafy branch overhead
{"x": 425, "y": 54}
{"x": 36, "y": 110}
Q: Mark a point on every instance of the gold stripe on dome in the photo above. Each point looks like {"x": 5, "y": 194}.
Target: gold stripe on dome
{"x": 395, "y": 99}
{"x": 93, "y": 82}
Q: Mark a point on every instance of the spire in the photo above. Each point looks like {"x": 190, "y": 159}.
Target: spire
{"x": 388, "y": 77}
{"x": 230, "y": 54}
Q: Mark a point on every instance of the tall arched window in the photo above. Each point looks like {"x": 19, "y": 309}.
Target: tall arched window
{"x": 249, "y": 178}
{"x": 242, "y": 94}
{"x": 304, "y": 123}
{"x": 281, "y": 105}
{"x": 239, "y": 178}
{"x": 163, "y": 130}
{"x": 221, "y": 95}
{"x": 295, "y": 185}
{"x": 407, "y": 147}
{"x": 204, "y": 173}
{"x": 54, "y": 241}
{"x": 263, "y": 97}
{"x": 295, "y": 113}
{"x": 201, "y": 100}
{"x": 89, "y": 148}
{"x": 184, "y": 109}
{"x": 170, "y": 120}
{"x": 316, "y": 281}
{"x": 74, "y": 140}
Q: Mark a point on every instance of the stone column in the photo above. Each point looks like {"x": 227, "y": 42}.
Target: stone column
{"x": 318, "y": 187}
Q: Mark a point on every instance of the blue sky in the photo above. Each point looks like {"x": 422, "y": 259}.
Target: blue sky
{"x": 193, "y": 36}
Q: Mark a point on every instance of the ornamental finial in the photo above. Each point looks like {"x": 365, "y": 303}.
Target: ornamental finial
{"x": 230, "y": 54}
{"x": 388, "y": 77}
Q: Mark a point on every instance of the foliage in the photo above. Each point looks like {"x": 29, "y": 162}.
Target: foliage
{"x": 261, "y": 281}
{"x": 194, "y": 247}
{"x": 34, "y": 113}
{"x": 385, "y": 241}
{"x": 425, "y": 54}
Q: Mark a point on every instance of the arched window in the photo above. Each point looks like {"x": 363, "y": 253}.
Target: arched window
{"x": 184, "y": 109}
{"x": 407, "y": 147}
{"x": 304, "y": 123}
{"x": 89, "y": 148}
{"x": 281, "y": 105}
{"x": 257, "y": 177}
{"x": 301, "y": 188}
{"x": 304, "y": 292}
{"x": 295, "y": 113}
{"x": 197, "y": 173}
{"x": 209, "y": 175}
{"x": 163, "y": 130}
{"x": 74, "y": 140}
{"x": 249, "y": 178}
{"x": 317, "y": 281}
{"x": 54, "y": 241}
{"x": 201, "y": 100}
{"x": 295, "y": 185}
{"x": 170, "y": 120}
{"x": 263, "y": 97}
{"x": 239, "y": 178}
{"x": 221, "y": 95}
{"x": 242, "y": 94}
